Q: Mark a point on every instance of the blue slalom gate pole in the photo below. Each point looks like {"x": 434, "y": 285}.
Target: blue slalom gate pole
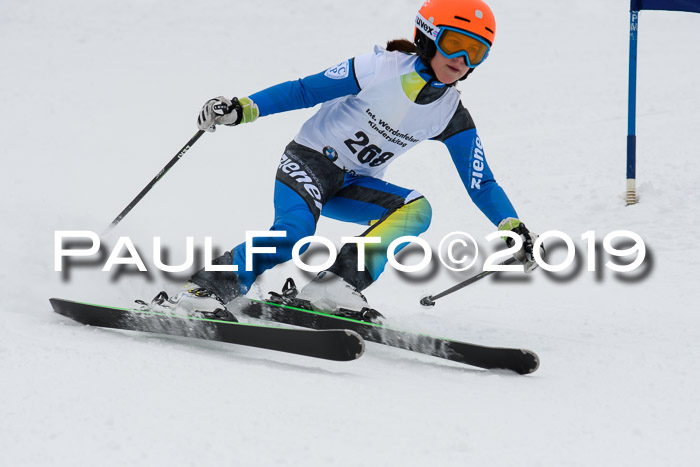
{"x": 631, "y": 197}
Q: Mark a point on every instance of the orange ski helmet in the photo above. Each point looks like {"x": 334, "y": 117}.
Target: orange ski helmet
{"x": 472, "y": 18}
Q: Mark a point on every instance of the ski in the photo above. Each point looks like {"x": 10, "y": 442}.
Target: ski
{"x": 330, "y": 344}
{"x": 520, "y": 361}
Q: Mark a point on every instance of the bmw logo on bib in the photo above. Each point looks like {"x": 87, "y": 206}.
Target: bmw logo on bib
{"x": 330, "y": 153}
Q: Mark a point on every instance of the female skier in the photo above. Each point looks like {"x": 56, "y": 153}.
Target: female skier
{"x": 375, "y": 107}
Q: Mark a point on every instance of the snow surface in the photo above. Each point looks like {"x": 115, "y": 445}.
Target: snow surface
{"x": 97, "y": 96}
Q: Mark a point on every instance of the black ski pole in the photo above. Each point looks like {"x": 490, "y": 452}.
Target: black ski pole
{"x": 155, "y": 180}
{"x": 429, "y": 300}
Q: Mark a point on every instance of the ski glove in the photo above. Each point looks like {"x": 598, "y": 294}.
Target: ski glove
{"x": 526, "y": 254}
{"x": 222, "y": 111}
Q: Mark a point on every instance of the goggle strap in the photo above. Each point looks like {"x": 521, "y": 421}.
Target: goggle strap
{"x": 427, "y": 28}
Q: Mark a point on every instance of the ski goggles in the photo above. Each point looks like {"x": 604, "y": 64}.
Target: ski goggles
{"x": 453, "y": 42}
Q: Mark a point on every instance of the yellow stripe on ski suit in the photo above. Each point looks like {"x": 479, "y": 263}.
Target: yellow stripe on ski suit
{"x": 411, "y": 219}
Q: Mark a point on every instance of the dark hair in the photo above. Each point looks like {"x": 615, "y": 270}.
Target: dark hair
{"x": 402, "y": 45}
{"x": 423, "y": 47}
{"x": 406, "y": 46}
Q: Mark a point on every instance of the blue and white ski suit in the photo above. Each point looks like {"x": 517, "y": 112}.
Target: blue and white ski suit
{"x": 374, "y": 108}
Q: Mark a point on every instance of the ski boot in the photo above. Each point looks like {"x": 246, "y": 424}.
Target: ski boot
{"x": 193, "y": 301}
{"x": 328, "y": 293}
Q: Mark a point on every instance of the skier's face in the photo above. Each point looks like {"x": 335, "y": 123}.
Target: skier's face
{"x": 448, "y": 70}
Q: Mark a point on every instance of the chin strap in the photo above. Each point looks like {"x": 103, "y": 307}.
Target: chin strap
{"x": 469, "y": 71}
